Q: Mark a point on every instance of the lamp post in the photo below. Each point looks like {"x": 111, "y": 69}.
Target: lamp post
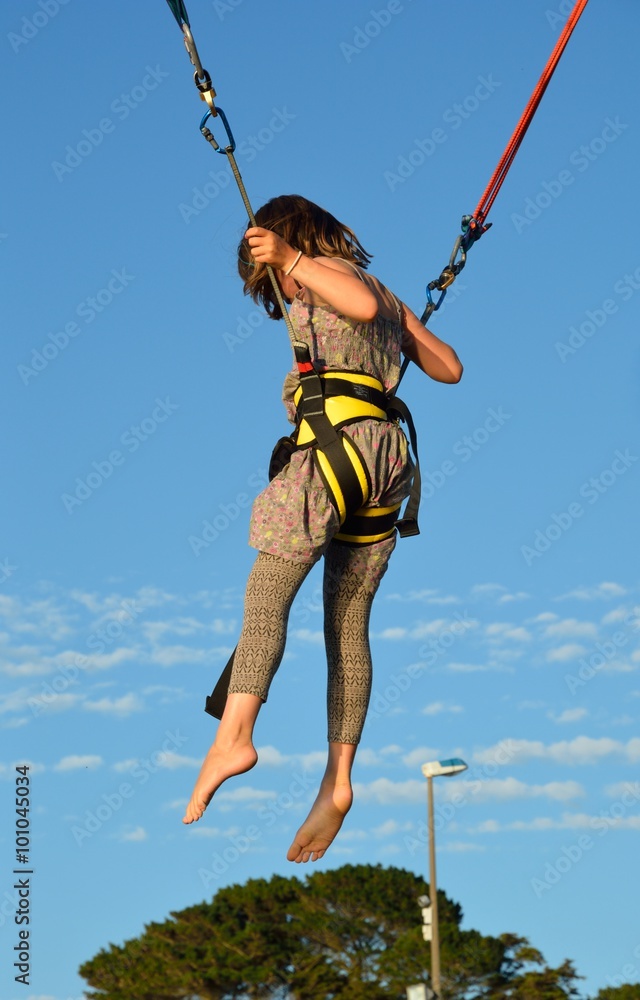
{"x": 434, "y": 769}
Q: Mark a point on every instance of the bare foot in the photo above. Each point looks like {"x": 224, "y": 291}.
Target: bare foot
{"x": 322, "y": 824}
{"x": 219, "y": 764}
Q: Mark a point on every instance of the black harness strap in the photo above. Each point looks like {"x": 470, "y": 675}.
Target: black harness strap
{"x": 408, "y": 524}
{"x": 328, "y": 440}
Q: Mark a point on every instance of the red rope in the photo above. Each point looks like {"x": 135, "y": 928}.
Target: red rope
{"x": 513, "y": 146}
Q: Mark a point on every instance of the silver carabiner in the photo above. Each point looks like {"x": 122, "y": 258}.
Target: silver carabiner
{"x": 192, "y": 51}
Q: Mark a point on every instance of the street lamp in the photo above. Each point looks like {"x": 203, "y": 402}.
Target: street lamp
{"x": 435, "y": 769}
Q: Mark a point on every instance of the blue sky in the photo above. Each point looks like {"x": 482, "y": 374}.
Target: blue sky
{"x": 140, "y": 394}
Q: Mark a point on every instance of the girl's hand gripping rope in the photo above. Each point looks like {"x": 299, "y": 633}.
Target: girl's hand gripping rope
{"x": 268, "y": 248}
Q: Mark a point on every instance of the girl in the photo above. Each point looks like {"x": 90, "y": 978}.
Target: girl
{"x": 351, "y": 323}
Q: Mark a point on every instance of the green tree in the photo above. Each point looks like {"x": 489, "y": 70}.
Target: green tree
{"x": 628, "y": 991}
{"x": 353, "y": 933}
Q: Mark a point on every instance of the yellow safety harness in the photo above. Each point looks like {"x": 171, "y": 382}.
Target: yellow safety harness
{"x": 325, "y": 402}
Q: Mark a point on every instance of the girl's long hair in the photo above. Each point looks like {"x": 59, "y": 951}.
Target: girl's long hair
{"x": 304, "y": 226}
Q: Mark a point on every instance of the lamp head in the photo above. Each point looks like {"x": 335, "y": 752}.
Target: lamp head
{"x": 443, "y": 768}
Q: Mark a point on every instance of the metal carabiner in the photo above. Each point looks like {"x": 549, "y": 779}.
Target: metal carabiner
{"x": 210, "y": 137}
{"x": 190, "y": 46}
{"x": 431, "y": 305}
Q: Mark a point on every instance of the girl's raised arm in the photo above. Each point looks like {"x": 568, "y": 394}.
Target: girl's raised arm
{"x": 327, "y": 280}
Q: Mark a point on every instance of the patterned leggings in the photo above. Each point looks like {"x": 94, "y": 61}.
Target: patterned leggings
{"x": 351, "y": 579}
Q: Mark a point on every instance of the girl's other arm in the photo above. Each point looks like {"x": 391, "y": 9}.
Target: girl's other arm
{"x": 432, "y": 355}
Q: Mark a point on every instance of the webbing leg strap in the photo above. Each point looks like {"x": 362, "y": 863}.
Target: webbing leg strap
{"x": 339, "y": 462}
{"x": 408, "y": 524}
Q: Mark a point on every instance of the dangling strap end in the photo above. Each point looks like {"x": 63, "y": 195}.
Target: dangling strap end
{"x": 407, "y": 527}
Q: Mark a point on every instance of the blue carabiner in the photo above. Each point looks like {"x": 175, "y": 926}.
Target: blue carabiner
{"x": 436, "y": 305}
{"x": 209, "y": 135}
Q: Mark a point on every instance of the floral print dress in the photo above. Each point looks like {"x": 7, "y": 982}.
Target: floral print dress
{"x": 293, "y": 517}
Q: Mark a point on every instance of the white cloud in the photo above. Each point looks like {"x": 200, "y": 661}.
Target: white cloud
{"x": 390, "y": 827}
{"x": 168, "y": 656}
{"x": 439, "y": 625}
{"x": 569, "y": 651}
{"x": 581, "y": 750}
{"x": 9, "y": 770}
{"x": 98, "y": 661}
{"x": 520, "y": 595}
{"x": 467, "y": 668}
{"x": 504, "y": 630}
{"x": 307, "y": 635}
{"x": 436, "y": 707}
{"x": 508, "y": 789}
{"x": 313, "y": 760}
{"x": 569, "y": 821}
{"x": 368, "y": 757}
{"x": 171, "y": 761}
{"x": 424, "y": 597}
{"x": 570, "y": 628}
{"x": 487, "y": 826}
{"x": 600, "y": 591}
{"x": 419, "y": 756}
{"x": 75, "y": 762}
{"x": 245, "y": 794}
{"x": 569, "y": 715}
{"x": 272, "y": 757}
{"x": 126, "y": 765}
{"x": 392, "y": 749}
{"x": 386, "y": 792}
{"x": 616, "y": 615}
{"x": 487, "y": 590}
{"x": 354, "y": 835}
{"x": 15, "y": 701}
{"x": 460, "y": 846}
{"x": 544, "y": 616}
{"x": 136, "y": 835}
{"x": 41, "y": 704}
{"x": 198, "y": 830}
{"x": 120, "y": 707}
{"x": 391, "y": 633}
{"x": 623, "y": 788}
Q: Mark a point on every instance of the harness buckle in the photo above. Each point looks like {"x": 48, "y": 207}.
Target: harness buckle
{"x": 407, "y": 527}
